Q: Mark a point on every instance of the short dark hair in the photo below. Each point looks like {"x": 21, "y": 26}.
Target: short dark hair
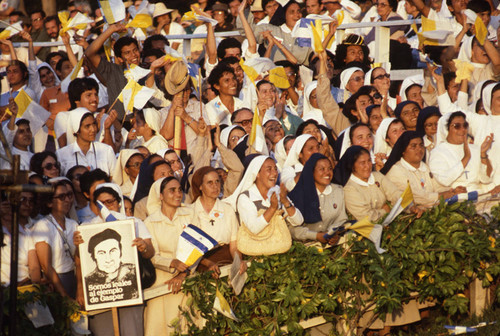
{"x": 217, "y": 74}
{"x": 108, "y": 190}
{"x": 16, "y": 12}
{"x": 230, "y": 60}
{"x": 166, "y": 181}
{"x": 102, "y": 236}
{"x": 262, "y": 82}
{"x": 152, "y": 52}
{"x": 22, "y": 122}
{"x": 230, "y": 42}
{"x": 148, "y": 43}
{"x": 235, "y": 113}
{"x": 448, "y": 77}
{"x": 37, "y": 160}
{"x": 60, "y": 63}
{"x": 72, "y": 170}
{"x": 288, "y": 64}
{"x": 45, "y": 199}
{"x": 51, "y": 18}
{"x": 78, "y": 86}
{"x": 22, "y": 67}
{"x": 38, "y": 11}
{"x": 356, "y": 126}
{"x": 478, "y": 6}
{"x": 123, "y": 42}
{"x": 55, "y": 53}
{"x": 88, "y": 178}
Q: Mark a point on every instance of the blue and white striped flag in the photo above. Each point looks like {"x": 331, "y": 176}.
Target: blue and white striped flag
{"x": 109, "y": 215}
{"x": 303, "y": 33}
{"x": 193, "y": 244}
{"x": 470, "y": 196}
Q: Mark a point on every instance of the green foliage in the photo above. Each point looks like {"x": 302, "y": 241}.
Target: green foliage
{"x": 435, "y": 256}
{"x": 62, "y": 309}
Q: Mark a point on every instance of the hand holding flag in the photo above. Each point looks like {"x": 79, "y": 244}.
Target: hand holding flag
{"x": 405, "y": 200}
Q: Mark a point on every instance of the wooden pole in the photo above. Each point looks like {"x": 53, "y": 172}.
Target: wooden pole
{"x": 177, "y": 134}
{"x": 116, "y": 323}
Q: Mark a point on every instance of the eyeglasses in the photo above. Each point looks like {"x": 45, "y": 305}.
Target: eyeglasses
{"x": 37, "y": 19}
{"x": 50, "y": 166}
{"x": 431, "y": 125}
{"x": 27, "y": 200}
{"x": 245, "y": 122}
{"x": 63, "y": 197}
{"x": 109, "y": 202}
{"x": 134, "y": 165}
{"x": 386, "y": 75}
{"x": 235, "y": 138}
{"x": 459, "y": 126}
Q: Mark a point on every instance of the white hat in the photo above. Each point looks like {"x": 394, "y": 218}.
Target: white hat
{"x": 161, "y": 9}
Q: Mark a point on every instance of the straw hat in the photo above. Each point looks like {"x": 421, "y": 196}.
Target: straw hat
{"x": 177, "y": 78}
{"x": 161, "y": 9}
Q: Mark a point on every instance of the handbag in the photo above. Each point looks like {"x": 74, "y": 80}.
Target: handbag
{"x": 148, "y": 272}
{"x": 275, "y": 238}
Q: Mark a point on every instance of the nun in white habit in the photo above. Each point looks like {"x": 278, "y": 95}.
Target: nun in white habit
{"x": 448, "y": 162}
{"x": 148, "y": 126}
{"x": 255, "y": 192}
{"x": 303, "y": 147}
{"x": 120, "y": 175}
{"x": 310, "y": 111}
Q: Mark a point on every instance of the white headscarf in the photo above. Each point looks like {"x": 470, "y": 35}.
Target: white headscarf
{"x": 74, "y": 120}
{"x": 346, "y": 75}
{"x": 346, "y": 141}
{"x": 293, "y": 156}
{"x": 120, "y": 177}
{"x": 380, "y": 145}
{"x": 465, "y": 53}
{"x": 409, "y": 81}
{"x": 248, "y": 179}
{"x": 280, "y": 152}
{"x": 47, "y": 65}
{"x": 309, "y": 111}
{"x": 368, "y": 76}
{"x": 153, "y": 119}
{"x": 487, "y": 96}
{"x": 154, "y": 201}
{"x": 224, "y": 134}
{"x": 116, "y": 188}
{"x": 442, "y": 131}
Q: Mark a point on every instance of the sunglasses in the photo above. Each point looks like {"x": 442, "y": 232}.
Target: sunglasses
{"x": 63, "y": 197}
{"x": 51, "y": 165}
{"x": 386, "y": 75}
{"x": 459, "y": 126}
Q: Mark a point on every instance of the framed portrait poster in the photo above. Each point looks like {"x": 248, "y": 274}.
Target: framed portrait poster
{"x": 110, "y": 265}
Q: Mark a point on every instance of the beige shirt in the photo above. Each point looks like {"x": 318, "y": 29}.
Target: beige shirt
{"x": 165, "y": 235}
{"x": 367, "y": 198}
{"x": 424, "y": 187}
{"x": 220, "y": 223}
{"x": 331, "y": 111}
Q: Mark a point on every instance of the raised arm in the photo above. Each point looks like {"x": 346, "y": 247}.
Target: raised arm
{"x": 69, "y": 51}
{"x": 252, "y": 43}
{"x": 422, "y": 7}
{"x": 494, "y": 56}
{"x": 211, "y": 46}
{"x": 92, "y": 51}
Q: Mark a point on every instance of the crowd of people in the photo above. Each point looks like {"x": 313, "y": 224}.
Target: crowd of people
{"x": 231, "y": 147}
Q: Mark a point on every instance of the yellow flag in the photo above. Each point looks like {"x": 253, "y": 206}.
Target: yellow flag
{"x": 63, "y": 18}
{"x": 317, "y": 29}
{"x": 249, "y": 71}
{"x": 407, "y": 197}
{"x": 256, "y": 124}
{"x": 481, "y": 30}
{"x": 364, "y": 227}
{"x": 141, "y": 20}
{"x": 22, "y": 100}
{"x": 464, "y": 70}
{"x": 11, "y": 30}
{"x": 278, "y": 77}
{"x": 77, "y": 68}
{"x": 428, "y": 24}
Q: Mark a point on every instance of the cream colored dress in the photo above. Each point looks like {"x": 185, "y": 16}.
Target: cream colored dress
{"x": 165, "y": 233}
